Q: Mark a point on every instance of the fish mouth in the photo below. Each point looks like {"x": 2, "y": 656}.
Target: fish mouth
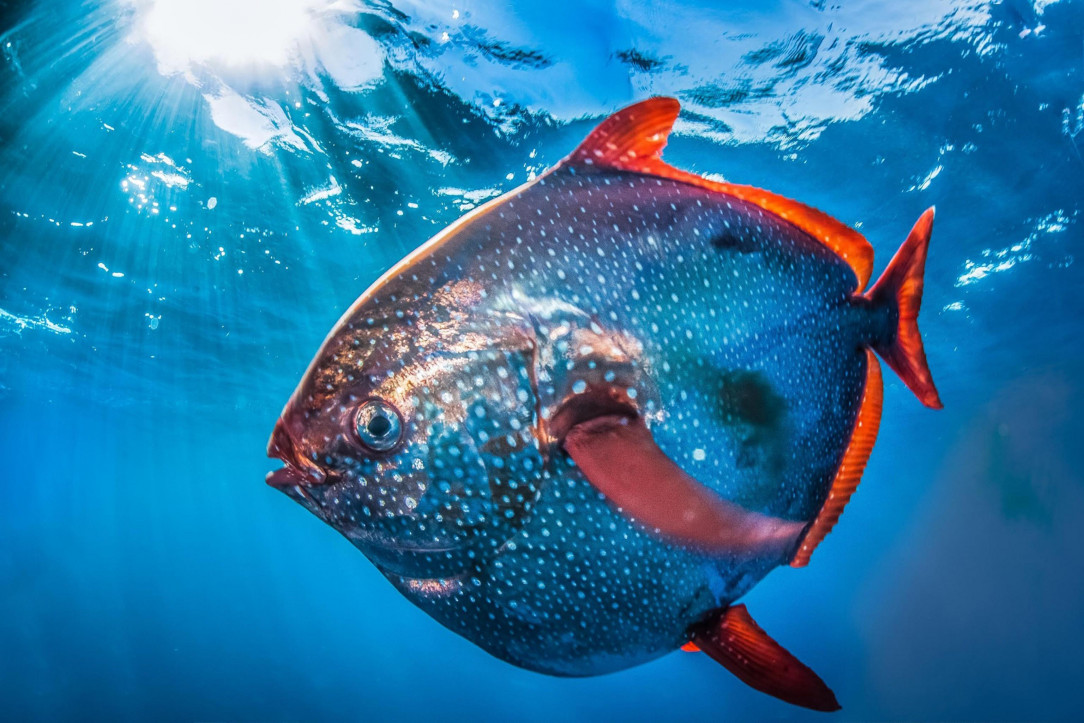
{"x": 297, "y": 492}
{"x": 286, "y": 477}
{"x": 299, "y": 472}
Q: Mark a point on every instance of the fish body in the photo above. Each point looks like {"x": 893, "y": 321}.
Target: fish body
{"x": 611, "y": 400}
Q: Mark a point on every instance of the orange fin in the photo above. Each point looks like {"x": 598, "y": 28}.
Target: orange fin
{"x": 736, "y": 642}
{"x": 900, "y": 286}
{"x": 629, "y": 137}
{"x": 854, "y": 461}
{"x": 632, "y": 139}
{"x": 690, "y": 647}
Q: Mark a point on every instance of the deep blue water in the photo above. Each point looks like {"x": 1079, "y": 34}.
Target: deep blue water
{"x": 191, "y": 193}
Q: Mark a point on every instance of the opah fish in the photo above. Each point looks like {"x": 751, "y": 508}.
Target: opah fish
{"x": 582, "y": 421}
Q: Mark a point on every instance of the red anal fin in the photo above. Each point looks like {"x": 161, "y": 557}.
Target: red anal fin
{"x": 854, "y": 461}
{"x": 620, "y": 458}
{"x": 734, "y": 640}
{"x": 632, "y": 139}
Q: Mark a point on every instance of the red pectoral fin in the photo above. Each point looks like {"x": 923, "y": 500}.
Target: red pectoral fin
{"x": 620, "y": 458}
{"x": 735, "y": 641}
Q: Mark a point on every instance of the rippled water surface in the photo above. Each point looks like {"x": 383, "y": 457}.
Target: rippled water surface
{"x": 192, "y": 191}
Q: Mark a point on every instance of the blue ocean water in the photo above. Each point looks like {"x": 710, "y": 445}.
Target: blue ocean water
{"x": 192, "y": 192}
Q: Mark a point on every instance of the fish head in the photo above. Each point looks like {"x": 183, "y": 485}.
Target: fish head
{"x": 413, "y": 432}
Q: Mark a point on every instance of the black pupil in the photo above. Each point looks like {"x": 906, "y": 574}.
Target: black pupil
{"x": 379, "y": 425}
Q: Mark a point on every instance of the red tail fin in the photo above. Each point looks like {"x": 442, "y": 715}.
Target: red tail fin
{"x": 900, "y": 286}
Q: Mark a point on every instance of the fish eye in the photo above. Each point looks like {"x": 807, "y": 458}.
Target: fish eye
{"x": 379, "y": 426}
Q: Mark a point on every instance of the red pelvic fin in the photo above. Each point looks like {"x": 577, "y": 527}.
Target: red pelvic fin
{"x": 736, "y": 642}
{"x": 900, "y": 286}
{"x": 632, "y": 140}
{"x": 618, "y": 455}
{"x": 854, "y": 461}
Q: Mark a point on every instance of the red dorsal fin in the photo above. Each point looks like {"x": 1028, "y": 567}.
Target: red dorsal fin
{"x": 632, "y": 139}
{"x": 630, "y": 136}
{"x": 734, "y": 640}
{"x": 854, "y": 461}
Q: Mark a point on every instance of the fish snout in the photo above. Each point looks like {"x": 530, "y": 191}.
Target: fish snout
{"x": 281, "y": 445}
{"x": 299, "y": 470}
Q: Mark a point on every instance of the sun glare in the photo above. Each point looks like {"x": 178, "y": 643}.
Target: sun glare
{"x": 232, "y": 32}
